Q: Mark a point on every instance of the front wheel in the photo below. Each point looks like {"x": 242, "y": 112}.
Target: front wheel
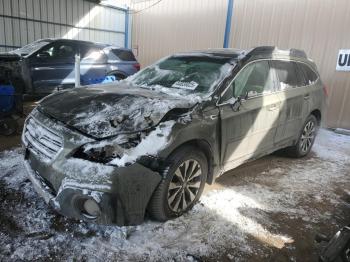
{"x": 306, "y": 138}
{"x": 183, "y": 182}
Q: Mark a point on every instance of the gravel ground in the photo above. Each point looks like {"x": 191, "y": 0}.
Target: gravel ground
{"x": 266, "y": 210}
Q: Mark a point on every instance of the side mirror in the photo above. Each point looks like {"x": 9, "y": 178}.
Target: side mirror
{"x": 236, "y": 104}
{"x": 246, "y": 95}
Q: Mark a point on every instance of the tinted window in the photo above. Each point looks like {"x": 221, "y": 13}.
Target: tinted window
{"x": 124, "y": 55}
{"x": 288, "y": 74}
{"x": 58, "y": 51}
{"x": 254, "y": 79}
{"x": 309, "y": 74}
{"x": 91, "y": 54}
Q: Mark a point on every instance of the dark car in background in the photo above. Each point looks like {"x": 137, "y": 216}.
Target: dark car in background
{"x": 48, "y": 64}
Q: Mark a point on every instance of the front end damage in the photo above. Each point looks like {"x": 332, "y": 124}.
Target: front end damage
{"x": 90, "y": 164}
{"x": 123, "y": 202}
{"x": 114, "y": 192}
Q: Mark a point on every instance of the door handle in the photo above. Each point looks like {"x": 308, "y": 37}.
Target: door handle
{"x": 307, "y": 96}
{"x": 272, "y": 107}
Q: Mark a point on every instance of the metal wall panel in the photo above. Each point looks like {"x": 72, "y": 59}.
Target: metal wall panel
{"x": 321, "y": 28}
{"x": 172, "y": 26}
{"x": 24, "y": 21}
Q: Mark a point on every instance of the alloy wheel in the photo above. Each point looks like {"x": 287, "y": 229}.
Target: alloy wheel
{"x": 307, "y": 136}
{"x": 184, "y": 186}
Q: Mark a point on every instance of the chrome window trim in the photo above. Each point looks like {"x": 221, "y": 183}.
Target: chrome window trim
{"x": 26, "y": 143}
{"x": 276, "y": 91}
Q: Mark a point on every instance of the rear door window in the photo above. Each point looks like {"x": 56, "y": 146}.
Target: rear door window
{"x": 92, "y": 54}
{"x": 124, "y": 55}
{"x": 288, "y": 74}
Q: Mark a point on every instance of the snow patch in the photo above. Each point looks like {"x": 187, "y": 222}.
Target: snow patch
{"x": 83, "y": 169}
{"x": 150, "y": 145}
{"x": 225, "y": 220}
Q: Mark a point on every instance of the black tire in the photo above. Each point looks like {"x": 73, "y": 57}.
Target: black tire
{"x": 117, "y": 75}
{"x": 300, "y": 149}
{"x": 160, "y": 206}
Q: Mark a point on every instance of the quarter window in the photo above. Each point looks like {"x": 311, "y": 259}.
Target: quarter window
{"x": 309, "y": 74}
{"x": 124, "y": 55}
{"x": 253, "y": 80}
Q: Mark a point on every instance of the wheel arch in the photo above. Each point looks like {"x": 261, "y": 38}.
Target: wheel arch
{"x": 205, "y": 147}
{"x": 317, "y": 113}
{"x": 118, "y": 73}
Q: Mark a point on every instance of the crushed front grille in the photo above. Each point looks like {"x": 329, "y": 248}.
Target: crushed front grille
{"x": 41, "y": 140}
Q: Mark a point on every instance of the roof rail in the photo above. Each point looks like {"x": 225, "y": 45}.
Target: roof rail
{"x": 274, "y": 50}
{"x": 298, "y": 53}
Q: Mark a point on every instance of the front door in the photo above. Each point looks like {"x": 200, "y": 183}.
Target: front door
{"x": 53, "y": 67}
{"x": 250, "y": 131}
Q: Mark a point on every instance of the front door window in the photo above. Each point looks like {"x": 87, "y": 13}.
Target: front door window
{"x": 253, "y": 80}
{"x": 58, "y": 51}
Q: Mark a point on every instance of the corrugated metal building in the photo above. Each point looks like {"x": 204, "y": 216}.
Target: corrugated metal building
{"x": 24, "y": 21}
{"x": 321, "y": 28}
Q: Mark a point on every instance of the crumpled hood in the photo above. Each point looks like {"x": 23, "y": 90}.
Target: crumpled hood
{"x": 107, "y": 110}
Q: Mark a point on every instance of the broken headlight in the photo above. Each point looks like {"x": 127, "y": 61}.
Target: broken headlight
{"x": 105, "y": 151}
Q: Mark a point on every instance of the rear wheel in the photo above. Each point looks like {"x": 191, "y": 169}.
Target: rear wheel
{"x": 183, "y": 182}
{"x": 306, "y": 138}
{"x": 117, "y": 75}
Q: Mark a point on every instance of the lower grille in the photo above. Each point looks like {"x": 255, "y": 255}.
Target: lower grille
{"x": 41, "y": 140}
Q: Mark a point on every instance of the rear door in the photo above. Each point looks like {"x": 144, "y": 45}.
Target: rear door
{"x": 93, "y": 64}
{"x": 53, "y": 66}
{"x": 294, "y": 98}
{"x": 250, "y": 131}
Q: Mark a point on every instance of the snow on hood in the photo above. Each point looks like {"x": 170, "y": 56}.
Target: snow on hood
{"x": 103, "y": 111}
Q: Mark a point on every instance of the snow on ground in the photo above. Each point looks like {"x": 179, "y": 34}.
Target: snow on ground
{"x": 224, "y": 222}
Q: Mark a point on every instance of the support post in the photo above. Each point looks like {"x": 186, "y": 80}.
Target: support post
{"x": 126, "y": 35}
{"x": 77, "y": 70}
{"x": 228, "y": 23}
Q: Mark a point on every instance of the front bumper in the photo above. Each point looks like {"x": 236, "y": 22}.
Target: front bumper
{"x": 121, "y": 193}
{"x": 123, "y": 203}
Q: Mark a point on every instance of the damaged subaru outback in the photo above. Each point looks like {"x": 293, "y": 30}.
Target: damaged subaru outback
{"x": 111, "y": 153}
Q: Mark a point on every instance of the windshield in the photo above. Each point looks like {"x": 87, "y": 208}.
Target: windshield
{"x": 30, "y": 48}
{"x": 190, "y": 74}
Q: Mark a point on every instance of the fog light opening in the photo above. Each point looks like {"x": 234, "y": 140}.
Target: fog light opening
{"x": 91, "y": 209}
